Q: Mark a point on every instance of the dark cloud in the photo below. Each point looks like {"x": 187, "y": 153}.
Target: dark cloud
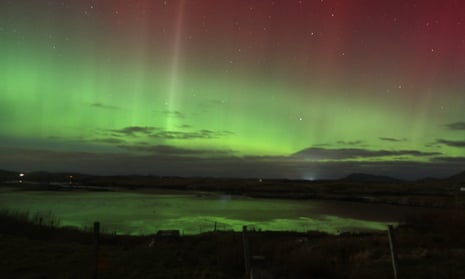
{"x": 110, "y": 140}
{"x": 317, "y": 153}
{"x": 392, "y": 139}
{"x": 169, "y": 150}
{"x": 457, "y": 126}
{"x": 160, "y": 133}
{"x": 452, "y": 143}
{"x": 433, "y": 144}
{"x": 171, "y": 113}
{"x": 56, "y": 140}
{"x": 201, "y": 134}
{"x": 341, "y": 142}
{"x": 134, "y": 130}
{"x": 103, "y": 106}
{"x": 450, "y": 160}
{"x": 356, "y": 142}
{"x": 185, "y": 126}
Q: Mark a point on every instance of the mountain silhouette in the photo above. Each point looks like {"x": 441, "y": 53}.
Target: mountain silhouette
{"x": 8, "y": 175}
{"x": 459, "y": 177}
{"x": 363, "y": 177}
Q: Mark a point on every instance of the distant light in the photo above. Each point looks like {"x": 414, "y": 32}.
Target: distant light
{"x": 70, "y": 179}
{"x": 310, "y": 178}
{"x": 21, "y": 174}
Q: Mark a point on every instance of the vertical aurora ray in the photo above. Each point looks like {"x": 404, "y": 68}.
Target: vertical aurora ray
{"x": 175, "y": 81}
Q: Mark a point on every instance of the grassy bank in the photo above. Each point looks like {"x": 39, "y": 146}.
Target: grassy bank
{"x": 34, "y": 247}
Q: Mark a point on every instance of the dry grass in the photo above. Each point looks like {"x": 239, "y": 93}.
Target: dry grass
{"x": 428, "y": 247}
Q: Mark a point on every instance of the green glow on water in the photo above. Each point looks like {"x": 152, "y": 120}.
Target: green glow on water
{"x": 129, "y": 213}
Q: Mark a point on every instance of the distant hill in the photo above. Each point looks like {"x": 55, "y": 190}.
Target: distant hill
{"x": 5, "y": 172}
{"x": 460, "y": 177}
{"x": 429, "y": 179}
{"x": 42, "y": 176}
{"x": 8, "y": 175}
{"x": 369, "y": 178}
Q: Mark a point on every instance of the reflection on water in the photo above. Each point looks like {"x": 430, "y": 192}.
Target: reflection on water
{"x": 136, "y": 213}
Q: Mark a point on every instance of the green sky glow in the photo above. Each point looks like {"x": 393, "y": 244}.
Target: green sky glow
{"x": 108, "y": 80}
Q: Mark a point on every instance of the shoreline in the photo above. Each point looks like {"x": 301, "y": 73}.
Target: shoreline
{"x": 419, "y": 200}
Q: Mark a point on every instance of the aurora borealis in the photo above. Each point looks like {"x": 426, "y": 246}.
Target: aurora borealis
{"x": 289, "y": 89}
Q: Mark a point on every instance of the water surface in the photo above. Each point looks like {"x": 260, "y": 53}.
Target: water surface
{"x": 140, "y": 213}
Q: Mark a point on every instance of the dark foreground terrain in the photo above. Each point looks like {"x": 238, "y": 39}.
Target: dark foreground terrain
{"x": 431, "y": 246}
{"x": 428, "y": 247}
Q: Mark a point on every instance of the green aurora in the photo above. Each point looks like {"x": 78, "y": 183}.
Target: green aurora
{"x": 121, "y": 81}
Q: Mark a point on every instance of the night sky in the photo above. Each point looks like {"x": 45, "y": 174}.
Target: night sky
{"x": 305, "y": 89}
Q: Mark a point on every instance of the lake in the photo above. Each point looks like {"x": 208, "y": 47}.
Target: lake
{"x": 142, "y": 213}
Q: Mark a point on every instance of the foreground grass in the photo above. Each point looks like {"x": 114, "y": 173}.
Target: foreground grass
{"x": 429, "y": 247}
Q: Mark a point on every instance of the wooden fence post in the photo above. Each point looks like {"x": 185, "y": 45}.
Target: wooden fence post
{"x": 245, "y": 242}
{"x": 96, "y": 248}
{"x": 392, "y": 246}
